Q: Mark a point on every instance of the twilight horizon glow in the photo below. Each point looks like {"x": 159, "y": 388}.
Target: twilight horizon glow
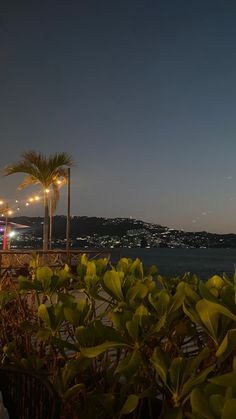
{"x": 142, "y": 94}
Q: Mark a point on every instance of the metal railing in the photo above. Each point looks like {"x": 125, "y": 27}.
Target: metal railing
{"x": 11, "y": 260}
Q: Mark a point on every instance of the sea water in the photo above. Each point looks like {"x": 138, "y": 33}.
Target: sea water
{"x": 173, "y": 262}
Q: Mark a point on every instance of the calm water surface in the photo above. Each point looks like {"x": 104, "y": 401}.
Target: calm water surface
{"x": 203, "y": 262}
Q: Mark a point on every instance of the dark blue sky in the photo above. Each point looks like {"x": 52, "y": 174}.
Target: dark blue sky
{"x": 141, "y": 93}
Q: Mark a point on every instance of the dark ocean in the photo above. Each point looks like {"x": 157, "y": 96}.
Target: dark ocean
{"x": 173, "y": 262}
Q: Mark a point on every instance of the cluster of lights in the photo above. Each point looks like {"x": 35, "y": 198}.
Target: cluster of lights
{"x": 16, "y": 206}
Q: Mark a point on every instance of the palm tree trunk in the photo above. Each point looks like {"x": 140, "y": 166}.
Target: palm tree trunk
{"x": 45, "y": 224}
{"x": 50, "y": 225}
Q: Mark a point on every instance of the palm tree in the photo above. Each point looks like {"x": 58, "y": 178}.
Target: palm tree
{"x": 43, "y": 170}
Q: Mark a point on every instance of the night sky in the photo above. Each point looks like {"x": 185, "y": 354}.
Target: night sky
{"x": 141, "y": 93}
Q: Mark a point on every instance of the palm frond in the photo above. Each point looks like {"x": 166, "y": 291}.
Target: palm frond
{"x": 27, "y": 181}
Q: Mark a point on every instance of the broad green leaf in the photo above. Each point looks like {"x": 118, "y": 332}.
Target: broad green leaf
{"x": 136, "y": 269}
{"x": 160, "y": 302}
{"x": 160, "y": 360}
{"x": 91, "y": 269}
{"x": 192, "y": 314}
{"x": 208, "y": 317}
{"x": 44, "y": 275}
{"x": 101, "y": 265}
{"x": 176, "y": 371}
{"x": 229, "y": 409}
{"x": 44, "y": 314}
{"x": 73, "y": 368}
{"x": 194, "y": 381}
{"x": 176, "y": 301}
{"x": 92, "y": 352}
{"x": 141, "y": 310}
{"x": 130, "y": 404}
{"x": 119, "y": 319}
{"x": 112, "y": 284}
{"x": 193, "y": 363}
{"x": 123, "y": 265}
{"x": 59, "y": 316}
{"x": 138, "y": 291}
{"x": 64, "y": 275}
{"x": 133, "y": 328}
{"x": 87, "y": 336}
{"x": 159, "y": 325}
{"x": 129, "y": 364}
{"x": 43, "y": 334}
{"x": 77, "y": 389}
{"x": 227, "y": 345}
{"x": 227, "y": 297}
{"x": 209, "y": 313}
{"x": 84, "y": 259}
{"x": 53, "y": 315}
{"x": 225, "y": 380}
{"x": 200, "y": 404}
{"x": 63, "y": 344}
{"x": 26, "y": 285}
{"x": 76, "y": 313}
{"x": 6, "y": 297}
{"x": 191, "y": 295}
{"x": 216, "y": 403}
{"x": 205, "y": 293}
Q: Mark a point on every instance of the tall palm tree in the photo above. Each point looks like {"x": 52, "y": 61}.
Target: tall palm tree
{"x": 54, "y": 198}
{"x": 43, "y": 170}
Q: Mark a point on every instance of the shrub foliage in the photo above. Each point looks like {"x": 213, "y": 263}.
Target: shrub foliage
{"x": 121, "y": 341}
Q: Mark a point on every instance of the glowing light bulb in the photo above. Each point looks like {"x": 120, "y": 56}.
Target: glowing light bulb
{"x": 36, "y": 198}
{"x": 27, "y": 204}
{"x": 1, "y": 202}
{"x": 31, "y": 199}
{"x": 47, "y": 190}
{"x": 9, "y": 212}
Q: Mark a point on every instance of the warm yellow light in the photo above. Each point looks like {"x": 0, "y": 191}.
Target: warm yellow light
{"x": 9, "y": 212}
{"x": 36, "y": 198}
{"x": 47, "y": 190}
{"x": 31, "y": 199}
{"x": 27, "y": 204}
{"x": 1, "y": 202}
{"x": 58, "y": 182}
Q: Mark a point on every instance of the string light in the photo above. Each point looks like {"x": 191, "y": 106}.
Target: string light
{"x": 12, "y": 206}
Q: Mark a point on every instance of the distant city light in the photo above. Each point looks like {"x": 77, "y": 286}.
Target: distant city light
{"x": 12, "y": 233}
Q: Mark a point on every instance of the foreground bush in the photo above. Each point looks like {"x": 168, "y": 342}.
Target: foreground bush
{"x": 118, "y": 341}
